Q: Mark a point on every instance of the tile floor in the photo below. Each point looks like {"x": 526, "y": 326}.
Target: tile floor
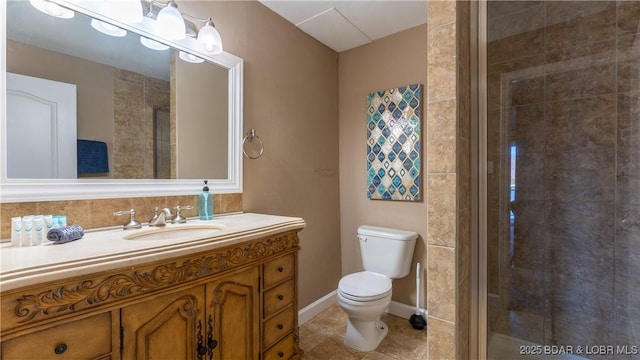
{"x": 322, "y": 338}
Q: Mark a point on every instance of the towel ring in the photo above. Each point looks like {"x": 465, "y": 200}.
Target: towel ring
{"x": 251, "y": 134}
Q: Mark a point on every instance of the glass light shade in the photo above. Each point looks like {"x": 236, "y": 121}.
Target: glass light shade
{"x": 209, "y": 38}
{"x": 126, "y": 11}
{"x": 52, "y": 9}
{"x": 107, "y": 28}
{"x": 190, "y": 57}
{"x": 170, "y": 24}
{"x": 152, "y": 44}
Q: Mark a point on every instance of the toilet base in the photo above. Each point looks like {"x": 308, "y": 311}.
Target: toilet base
{"x": 365, "y": 335}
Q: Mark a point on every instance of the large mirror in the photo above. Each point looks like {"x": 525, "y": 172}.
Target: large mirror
{"x": 146, "y": 121}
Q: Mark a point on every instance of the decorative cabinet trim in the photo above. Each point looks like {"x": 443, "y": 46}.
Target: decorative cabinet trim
{"x": 26, "y": 307}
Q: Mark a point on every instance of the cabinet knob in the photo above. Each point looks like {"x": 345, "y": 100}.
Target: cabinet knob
{"x": 280, "y": 269}
{"x": 280, "y": 297}
{"x": 61, "y": 349}
{"x": 280, "y": 326}
{"x": 280, "y": 354}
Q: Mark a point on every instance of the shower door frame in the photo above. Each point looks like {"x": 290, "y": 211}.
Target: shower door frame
{"x": 479, "y": 283}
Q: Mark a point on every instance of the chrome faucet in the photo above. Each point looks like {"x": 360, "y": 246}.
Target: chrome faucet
{"x": 160, "y": 217}
{"x": 179, "y": 219}
{"x": 133, "y": 223}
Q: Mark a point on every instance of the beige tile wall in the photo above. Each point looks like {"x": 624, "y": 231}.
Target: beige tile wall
{"x": 96, "y": 213}
{"x": 135, "y": 97}
{"x": 448, "y": 180}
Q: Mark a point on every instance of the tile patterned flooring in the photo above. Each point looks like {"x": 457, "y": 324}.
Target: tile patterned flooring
{"x": 322, "y": 337}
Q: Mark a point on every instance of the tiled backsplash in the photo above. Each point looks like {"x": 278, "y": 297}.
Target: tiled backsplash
{"x": 98, "y": 213}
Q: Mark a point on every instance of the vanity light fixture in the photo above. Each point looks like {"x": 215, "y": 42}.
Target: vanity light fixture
{"x": 209, "y": 38}
{"x": 170, "y": 23}
{"x": 52, "y": 9}
{"x": 190, "y": 57}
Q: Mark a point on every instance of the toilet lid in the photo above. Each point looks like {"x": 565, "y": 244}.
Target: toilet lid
{"x": 365, "y": 286}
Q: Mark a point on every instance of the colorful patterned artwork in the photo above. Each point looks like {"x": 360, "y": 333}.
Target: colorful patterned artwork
{"x": 394, "y": 143}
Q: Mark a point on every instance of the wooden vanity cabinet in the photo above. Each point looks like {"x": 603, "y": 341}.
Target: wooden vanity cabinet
{"x": 236, "y": 302}
{"x": 279, "y": 310}
{"x": 181, "y": 324}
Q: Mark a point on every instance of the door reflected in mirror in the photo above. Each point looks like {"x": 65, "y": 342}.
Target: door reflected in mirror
{"x": 158, "y": 115}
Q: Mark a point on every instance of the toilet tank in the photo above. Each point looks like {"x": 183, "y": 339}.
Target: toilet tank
{"x": 386, "y": 251}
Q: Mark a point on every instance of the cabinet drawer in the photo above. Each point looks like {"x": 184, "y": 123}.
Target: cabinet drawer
{"x": 281, "y": 350}
{"x": 88, "y": 338}
{"x": 278, "y": 270}
{"x": 277, "y": 298}
{"x": 277, "y": 327}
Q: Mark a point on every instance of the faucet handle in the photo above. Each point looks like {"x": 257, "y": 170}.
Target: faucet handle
{"x": 155, "y": 215}
{"x": 179, "y": 218}
{"x": 133, "y": 223}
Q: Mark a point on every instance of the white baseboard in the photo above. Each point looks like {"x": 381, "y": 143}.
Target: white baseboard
{"x": 395, "y": 308}
{"x": 403, "y": 310}
{"x": 305, "y": 314}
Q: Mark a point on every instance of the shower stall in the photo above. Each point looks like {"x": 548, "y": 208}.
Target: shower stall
{"x": 562, "y": 179}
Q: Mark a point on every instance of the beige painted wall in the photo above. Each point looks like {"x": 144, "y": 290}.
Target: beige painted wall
{"x": 290, "y": 98}
{"x": 199, "y": 127}
{"x": 396, "y": 60}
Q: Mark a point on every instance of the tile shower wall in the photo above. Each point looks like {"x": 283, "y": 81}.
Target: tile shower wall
{"x": 564, "y": 103}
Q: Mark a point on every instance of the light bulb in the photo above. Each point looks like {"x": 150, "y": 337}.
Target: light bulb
{"x": 190, "y": 57}
{"x": 210, "y": 39}
{"x": 170, "y": 24}
{"x": 107, "y": 28}
{"x": 152, "y": 44}
{"x": 52, "y": 9}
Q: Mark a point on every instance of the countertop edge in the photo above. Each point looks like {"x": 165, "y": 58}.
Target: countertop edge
{"x": 84, "y": 266}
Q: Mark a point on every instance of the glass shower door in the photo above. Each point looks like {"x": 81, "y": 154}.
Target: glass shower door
{"x": 563, "y": 179}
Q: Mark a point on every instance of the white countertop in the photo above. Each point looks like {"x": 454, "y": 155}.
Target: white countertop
{"x": 108, "y": 249}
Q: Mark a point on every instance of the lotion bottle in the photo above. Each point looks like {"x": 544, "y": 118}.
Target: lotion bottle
{"x": 206, "y": 203}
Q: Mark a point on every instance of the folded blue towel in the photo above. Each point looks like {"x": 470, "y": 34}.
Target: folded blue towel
{"x": 92, "y": 157}
{"x": 64, "y": 234}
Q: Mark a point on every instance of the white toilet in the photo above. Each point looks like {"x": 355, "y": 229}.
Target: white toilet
{"x": 386, "y": 255}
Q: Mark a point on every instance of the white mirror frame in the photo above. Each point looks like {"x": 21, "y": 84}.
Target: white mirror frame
{"x": 26, "y": 190}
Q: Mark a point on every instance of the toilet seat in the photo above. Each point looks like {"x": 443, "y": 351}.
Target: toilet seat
{"x": 364, "y": 286}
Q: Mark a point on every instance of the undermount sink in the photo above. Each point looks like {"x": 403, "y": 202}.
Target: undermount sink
{"x": 176, "y": 232}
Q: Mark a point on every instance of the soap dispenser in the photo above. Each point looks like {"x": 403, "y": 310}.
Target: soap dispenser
{"x": 206, "y": 203}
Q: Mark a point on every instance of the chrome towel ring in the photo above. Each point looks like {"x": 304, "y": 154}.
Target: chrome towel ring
{"x": 251, "y": 135}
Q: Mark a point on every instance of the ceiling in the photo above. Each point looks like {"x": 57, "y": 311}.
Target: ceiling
{"x": 343, "y": 25}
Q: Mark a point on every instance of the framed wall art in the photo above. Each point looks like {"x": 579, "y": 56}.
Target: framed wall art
{"x": 394, "y": 144}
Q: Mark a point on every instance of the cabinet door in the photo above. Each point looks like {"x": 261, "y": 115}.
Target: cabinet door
{"x": 233, "y": 309}
{"x": 165, "y": 327}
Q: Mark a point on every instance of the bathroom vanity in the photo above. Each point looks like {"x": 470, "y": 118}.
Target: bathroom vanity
{"x": 226, "y": 292}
